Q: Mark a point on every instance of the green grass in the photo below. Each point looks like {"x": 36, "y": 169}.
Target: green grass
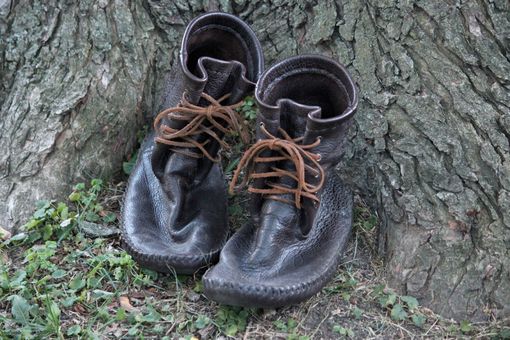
{"x": 58, "y": 280}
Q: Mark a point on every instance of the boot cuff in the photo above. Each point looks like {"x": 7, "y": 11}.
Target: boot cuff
{"x": 221, "y": 36}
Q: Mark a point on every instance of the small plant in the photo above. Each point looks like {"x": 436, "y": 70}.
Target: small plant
{"x": 343, "y": 284}
{"x": 465, "y": 327}
{"x": 347, "y": 332}
{"x": 400, "y": 307}
{"x": 290, "y": 327}
{"x": 365, "y": 226}
{"x": 364, "y": 219}
{"x": 61, "y": 270}
{"x": 248, "y": 109}
{"x": 231, "y": 320}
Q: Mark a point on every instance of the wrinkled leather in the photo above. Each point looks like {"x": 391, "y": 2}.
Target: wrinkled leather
{"x": 175, "y": 207}
{"x": 285, "y": 254}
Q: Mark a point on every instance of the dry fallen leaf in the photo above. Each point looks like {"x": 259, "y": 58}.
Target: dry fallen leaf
{"x": 78, "y": 308}
{"x": 124, "y": 303}
{"x": 5, "y": 234}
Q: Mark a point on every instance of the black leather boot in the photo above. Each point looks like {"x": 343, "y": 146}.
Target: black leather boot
{"x": 175, "y": 207}
{"x": 302, "y": 212}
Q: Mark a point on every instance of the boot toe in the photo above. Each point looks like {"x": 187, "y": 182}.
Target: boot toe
{"x": 158, "y": 242}
{"x": 242, "y": 288}
{"x": 158, "y": 254}
{"x": 296, "y": 271}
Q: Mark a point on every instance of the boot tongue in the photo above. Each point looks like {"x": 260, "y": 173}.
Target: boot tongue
{"x": 220, "y": 77}
{"x": 294, "y": 116}
{"x": 216, "y": 78}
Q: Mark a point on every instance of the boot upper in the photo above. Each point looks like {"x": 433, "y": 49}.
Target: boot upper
{"x": 302, "y": 212}
{"x": 175, "y": 207}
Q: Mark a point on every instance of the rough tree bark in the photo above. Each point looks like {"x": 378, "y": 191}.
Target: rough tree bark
{"x": 430, "y": 150}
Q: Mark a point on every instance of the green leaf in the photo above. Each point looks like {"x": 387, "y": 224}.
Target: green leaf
{"x": 40, "y": 213}
{"x": 91, "y": 216}
{"x": 18, "y": 278}
{"x": 77, "y": 283}
{"x": 398, "y": 313}
{"x": 93, "y": 282}
{"x": 66, "y": 222}
{"x": 357, "y": 313}
{"x": 4, "y": 282}
{"x": 465, "y": 326}
{"x": 74, "y": 196}
{"x": 20, "y": 309}
{"x": 62, "y": 209}
{"x": 169, "y": 317}
{"x": 47, "y": 231}
{"x": 97, "y": 230}
{"x": 346, "y": 296}
{"x": 101, "y": 294}
{"x": 231, "y": 330}
{"x": 418, "y": 319}
{"x": 133, "y": 330}
{"x": 152, "y": 316}
{"x": 42, "y": 204}
{"x": 340, "y": 330}
{"x": 411, "y": 301}
{"x": 79, "y": 187}
{"x": 74, "y": 330}
{"x": 96, "y": 182}
{"x": 18, "y": 237}
{"x": 388, "y": 300}
{"x": 505, "y": 333}
{"x": 291, "y": 324}
{"x": 69, "y": 301}
{"x": 109, "y": 218}
{"x": 452, "y": 329}
{"x": 128, "y": 166}
{"x": 199, "y": 287}
{"x": 202, "y": 321}
{"x": 53, "y": 310}
{"x": 58, "y": 274}
{"x": 31, "y": 224}
{"x": 280, "y": 325}
{"x": 379, "y": 289}
{"x": 392, "y": 298}
{"x": 232, "y": 165}
{"x": 121, "y": 314}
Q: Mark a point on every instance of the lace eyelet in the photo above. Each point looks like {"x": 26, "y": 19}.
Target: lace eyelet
{"x": 261, "y": 124}
{"x": 319, "y": 138}
{"x": 319, "y": 157}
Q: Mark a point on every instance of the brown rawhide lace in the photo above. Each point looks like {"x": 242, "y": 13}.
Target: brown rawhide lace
{"x": 290, "y": 150}
{"x": 201, "y": 120}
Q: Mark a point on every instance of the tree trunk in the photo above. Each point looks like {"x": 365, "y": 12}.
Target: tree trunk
{"x": 430, "y": 150}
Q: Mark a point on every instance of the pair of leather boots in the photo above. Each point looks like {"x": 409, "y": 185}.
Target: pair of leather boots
{"x": 175, "y": 210}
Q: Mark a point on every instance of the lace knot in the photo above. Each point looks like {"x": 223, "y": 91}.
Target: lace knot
{"x": 210, "y": 110}
{"x": 212, "y": 122}
{"x": 289, "y": 149}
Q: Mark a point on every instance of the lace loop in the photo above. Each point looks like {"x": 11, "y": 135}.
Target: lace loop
{"x": 290, "y": 150}
{"x": 200, "y": 120}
